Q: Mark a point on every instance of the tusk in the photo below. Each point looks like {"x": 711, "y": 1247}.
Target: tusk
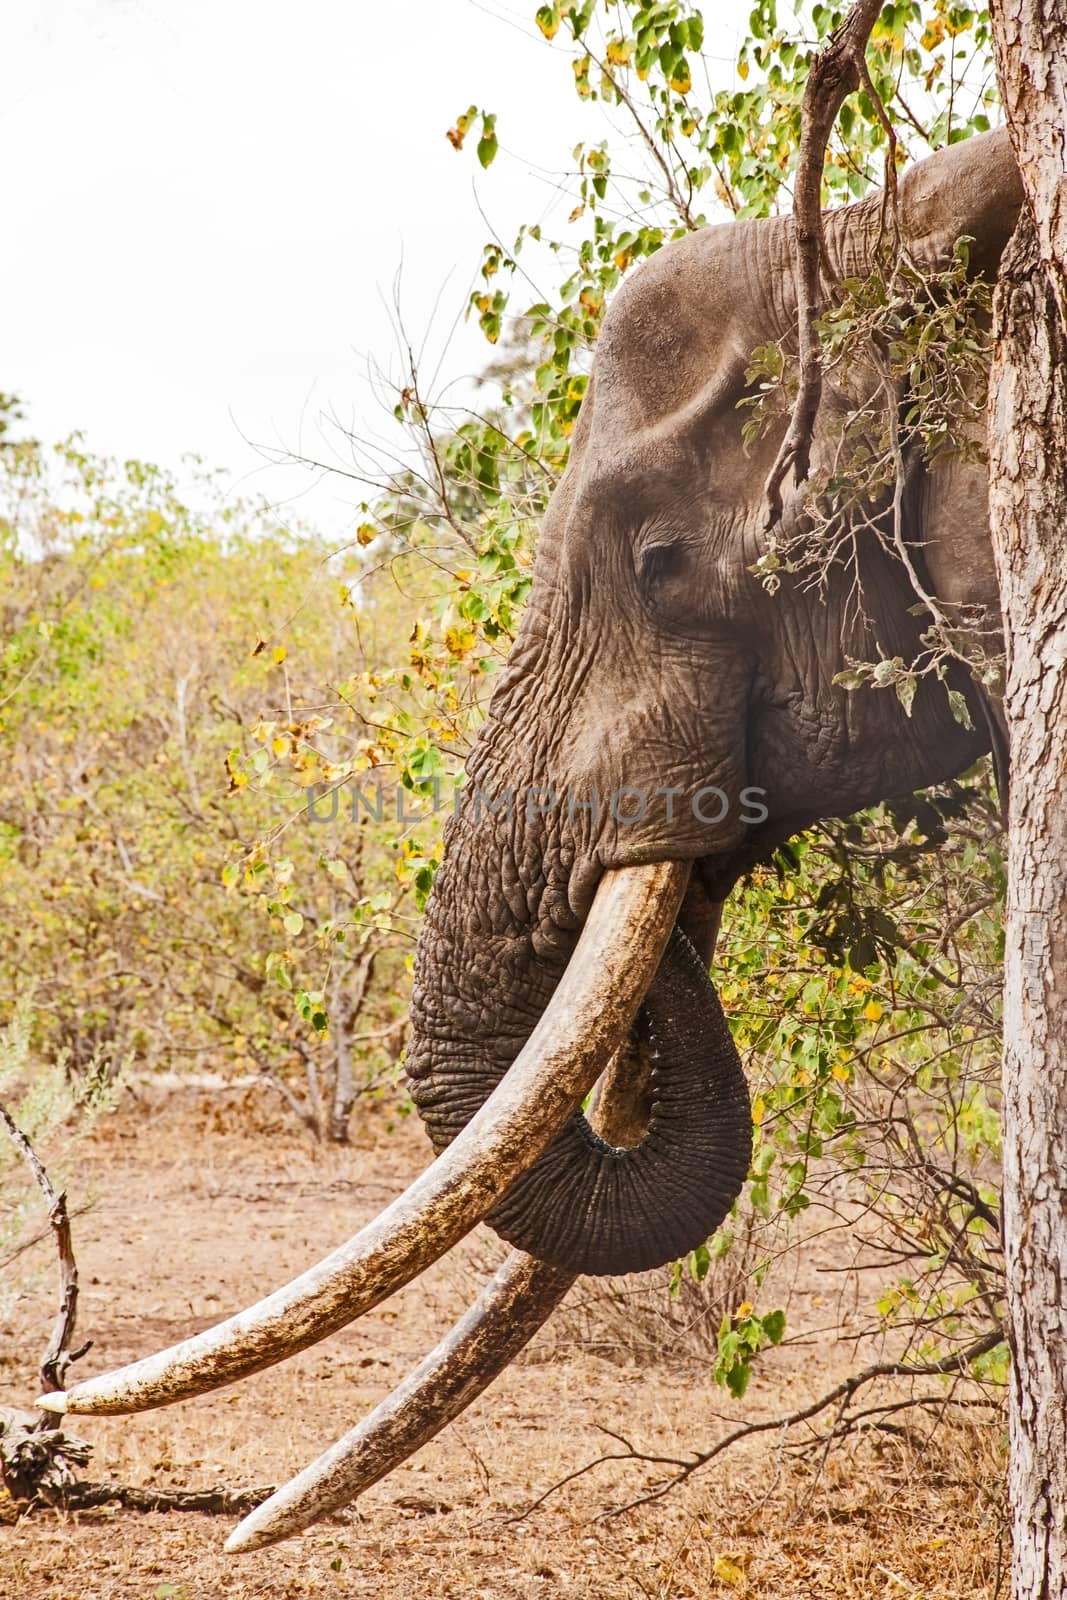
{"x": 619, "y": 950}
{"x": 506, "y": 1315}
{"x": 517, "y": 1301}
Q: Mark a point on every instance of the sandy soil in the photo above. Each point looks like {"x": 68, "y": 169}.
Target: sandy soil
{"x": 201, "y": 1202}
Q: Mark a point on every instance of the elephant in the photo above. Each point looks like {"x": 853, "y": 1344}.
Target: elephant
{"x": 663, "y": 722}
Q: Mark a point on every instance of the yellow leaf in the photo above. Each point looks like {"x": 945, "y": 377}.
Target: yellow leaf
{"x": 682, "y": 85}
{"x": 620, "y": 51}
{"x": 872, "y": 1011}
{"x": 742, "y": 70}
{"x": 728, "y": 1569}
{"x": 365, "y": 533}
{"x": 759, "y": 1106}
{"x": 459, "y": 640}
{"x": 279, "y": 654}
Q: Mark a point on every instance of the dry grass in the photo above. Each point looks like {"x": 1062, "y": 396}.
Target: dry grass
{"x": 197, "y": 1210}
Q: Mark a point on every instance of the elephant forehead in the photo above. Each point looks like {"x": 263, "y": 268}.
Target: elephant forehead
{"x": 688, "y": 463}
{"x": 679, "y": 333}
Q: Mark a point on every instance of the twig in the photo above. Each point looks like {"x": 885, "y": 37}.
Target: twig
{"x": 270, "y": 1080}
{"x": 42, "y": 1233}
{"x": 835, "y": 73}
{"x": 678, "y": 200}
{"x": 841, "y": 1395}
{"x": 58, "y": 1357}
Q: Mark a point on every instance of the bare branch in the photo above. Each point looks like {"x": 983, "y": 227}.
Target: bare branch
{"x": 58, "y": 1357}
{"x": 836, "y": 72}
{"x": 840, "y": 1395}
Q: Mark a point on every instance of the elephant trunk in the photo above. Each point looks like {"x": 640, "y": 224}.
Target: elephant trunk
{"x": 599, "y": 1208}
{"x": 584, "y": 1205}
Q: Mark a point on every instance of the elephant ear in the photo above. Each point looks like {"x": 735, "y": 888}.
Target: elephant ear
{"x": 970, "y": 190}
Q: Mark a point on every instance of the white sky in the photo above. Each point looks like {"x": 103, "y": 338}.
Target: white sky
{"x": 208, "y": 204}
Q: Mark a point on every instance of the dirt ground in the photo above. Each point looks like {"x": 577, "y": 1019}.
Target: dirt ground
{"x": 203, "y": 1201}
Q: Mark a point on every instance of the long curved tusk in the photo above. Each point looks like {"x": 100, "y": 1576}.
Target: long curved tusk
{"x": 508, "y": 1312}
{"x": 617, "y": 955}
{"x": 517, "y": 1301}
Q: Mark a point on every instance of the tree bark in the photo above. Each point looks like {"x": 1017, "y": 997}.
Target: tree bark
{"x": 1028, "y": 504}
{"x": 350, "y": 993}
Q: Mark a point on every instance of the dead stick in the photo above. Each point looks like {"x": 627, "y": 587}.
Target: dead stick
{"x": 836, "y": 72}
{"x": 58, "y": 1356}
{"x": 227, "y": 1502}
{"x": 684, "y": 1467}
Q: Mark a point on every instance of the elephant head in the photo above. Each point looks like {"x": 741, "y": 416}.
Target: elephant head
{"x": 661, "y": 705}
{"x": 662, "y": 723}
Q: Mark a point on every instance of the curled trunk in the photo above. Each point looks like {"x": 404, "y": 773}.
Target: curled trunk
{"x": 594, "y": 1207}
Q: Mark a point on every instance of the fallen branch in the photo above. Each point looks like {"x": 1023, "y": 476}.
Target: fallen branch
{"x": 213, "y": 1502}
{"x": 37, "y": 1460}
{"x": 36, "y": 1457}
{"x": 836, "y": 72}
{"x": 841, "y": 1395}
{"x": 37, "y": 1463}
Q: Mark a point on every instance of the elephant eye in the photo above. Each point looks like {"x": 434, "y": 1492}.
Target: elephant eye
{"x": 659, "y": 563}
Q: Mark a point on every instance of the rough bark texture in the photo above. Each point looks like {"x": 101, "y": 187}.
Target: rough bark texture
{"x": 1028, "y": 495}
{"x": 1031, "y": 44}
{"x": 347, "y": 1004}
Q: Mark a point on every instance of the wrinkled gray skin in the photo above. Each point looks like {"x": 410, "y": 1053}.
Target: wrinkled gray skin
{"x": 650, "y": 656}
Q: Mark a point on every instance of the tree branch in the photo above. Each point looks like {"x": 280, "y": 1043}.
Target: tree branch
{"x": 841, "y": 1395}
{"x": 836, "y": 72}
{"x": 222, "y": 1501}
{"x": 58, "y": 1357}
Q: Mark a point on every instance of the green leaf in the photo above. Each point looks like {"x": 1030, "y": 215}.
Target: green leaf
{"x": 774, "y": 1326}
{"x": 738, "y": 1378}
{"x": 906, "y": 688}
{"x": 547, "y": 19}
{"x": 853, "y": 678}
{"x": 487, "y": 144}
{"x": 959, "y": 708}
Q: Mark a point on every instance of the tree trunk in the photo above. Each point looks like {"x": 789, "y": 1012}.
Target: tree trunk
{"x": 1028, "y": 502}
{"x": 350, "y": 992}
